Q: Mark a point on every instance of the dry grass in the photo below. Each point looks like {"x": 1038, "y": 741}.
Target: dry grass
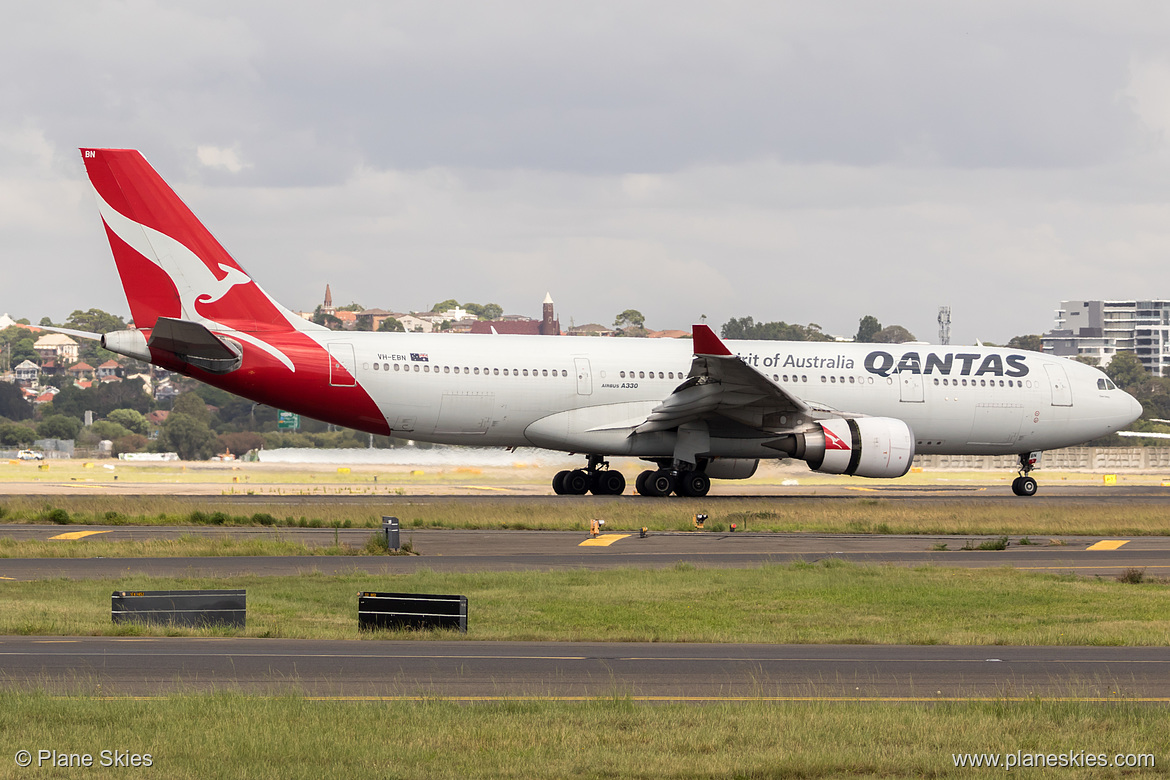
{"x": 802, "y": 514}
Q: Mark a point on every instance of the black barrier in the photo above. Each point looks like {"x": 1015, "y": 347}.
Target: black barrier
{"x": 390, "y": 528}
{"x": 411, "y": 610}
{"x": 192, "y": 608}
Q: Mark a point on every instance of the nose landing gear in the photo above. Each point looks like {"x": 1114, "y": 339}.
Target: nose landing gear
{"x": 1025, "y": 485}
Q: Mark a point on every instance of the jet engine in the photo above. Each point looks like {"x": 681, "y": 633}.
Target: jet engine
{"x": 861, "y": 447}
{"x": 731, "y": 468}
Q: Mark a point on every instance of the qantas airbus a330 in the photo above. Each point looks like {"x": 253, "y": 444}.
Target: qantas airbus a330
{"x": 697, "y": 409}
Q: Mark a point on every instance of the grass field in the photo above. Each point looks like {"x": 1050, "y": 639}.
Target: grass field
{"x": 798, "y": 514}
{"x": 230, "y": 736}
{"x": 187, "y": 545}
{"x": 829, "y": 602}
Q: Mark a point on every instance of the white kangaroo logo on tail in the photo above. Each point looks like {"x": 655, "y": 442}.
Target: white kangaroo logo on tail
{"x": 193, "y": 280}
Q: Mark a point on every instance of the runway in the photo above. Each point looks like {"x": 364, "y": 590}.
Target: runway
{"x": 645, "y": 672}
{"x": 449, "y": 550}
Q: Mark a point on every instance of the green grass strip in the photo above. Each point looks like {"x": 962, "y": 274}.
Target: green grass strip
{"x": 829, "y": 602}
{"x": 229, "y": 736}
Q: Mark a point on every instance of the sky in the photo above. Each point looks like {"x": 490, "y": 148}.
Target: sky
{"x": 805, "y": 162}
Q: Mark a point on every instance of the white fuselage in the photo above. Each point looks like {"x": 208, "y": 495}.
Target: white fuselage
{"x": 586, "y": 394}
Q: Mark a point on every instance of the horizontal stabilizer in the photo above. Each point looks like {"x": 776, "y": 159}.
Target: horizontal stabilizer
{"x": 195, "y": 344}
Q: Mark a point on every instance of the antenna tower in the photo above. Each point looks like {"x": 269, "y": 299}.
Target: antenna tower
{"x": 944, "y": 324}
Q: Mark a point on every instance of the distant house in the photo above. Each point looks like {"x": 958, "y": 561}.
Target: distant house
{"x": 669, "y": 334}
{"x": 414, "y": 324}
{"x": 81, "y": 371}
{"x": 348, "y": 319}
{"x": 165, "y": 392}
{"x": 27, "y": 372}
{"x": 108, "y": 369}
{"x": 592, "y": 329}
{"x": 147, "y": 382}
{"x": 158, "y": 417}
{"x": 509, "y": 327}
{"x": 370, "y": 319}
{"x": 56, "y": 345}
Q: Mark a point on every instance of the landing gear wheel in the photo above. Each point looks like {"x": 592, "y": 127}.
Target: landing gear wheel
{"x": 608, "y": 483}
{"x": 693, "y": 484}
{"x": 640, "y": 483}
{"x": 576, "y": 483}
{"x": 660, "y": 483}
{"x": 1024, "y": 486}
{"x": 559, "y": 482}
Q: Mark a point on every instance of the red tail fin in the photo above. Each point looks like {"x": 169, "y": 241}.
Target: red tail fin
{"x": 170, "y": 264}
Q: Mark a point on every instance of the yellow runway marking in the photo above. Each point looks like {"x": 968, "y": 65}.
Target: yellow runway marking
{"x": 77, "y": 535}
{"x": 605, "y": 540}
{"x": 488, "y": 487}
{"x": 1107, "y": 544}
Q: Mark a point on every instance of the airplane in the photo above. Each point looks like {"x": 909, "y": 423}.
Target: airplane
{"x": 697, "y": 409}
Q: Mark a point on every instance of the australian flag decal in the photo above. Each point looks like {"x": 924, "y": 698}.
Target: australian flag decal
{"x": 421, "y": 357}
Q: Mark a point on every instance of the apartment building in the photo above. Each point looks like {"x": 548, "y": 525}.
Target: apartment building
{"x": 1099, "y": 329}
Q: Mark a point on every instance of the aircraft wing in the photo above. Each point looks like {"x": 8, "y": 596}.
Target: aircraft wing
{"x": 721, "y": 384}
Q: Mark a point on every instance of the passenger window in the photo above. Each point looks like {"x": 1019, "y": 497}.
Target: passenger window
{"x": 397, "y": 367}
{"x": 376, "y": 366}
{"x": 641, "y": 374}
{"x": 544, "y": 372}
{"x": 526, "y": 372}
{"x": 446, "y": 369}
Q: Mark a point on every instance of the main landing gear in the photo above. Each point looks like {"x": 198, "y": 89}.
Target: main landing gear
{"x": 664, "y": 481}
{"x": 1025, "y": 485}
{"x": 591, "y": 479}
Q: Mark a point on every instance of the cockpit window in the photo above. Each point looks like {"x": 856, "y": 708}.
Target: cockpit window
{"x": 1105, "y": 384}
{"x": 1101, "y": 384}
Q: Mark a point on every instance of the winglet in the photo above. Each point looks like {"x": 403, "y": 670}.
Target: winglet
{"x": 707, "y": 343}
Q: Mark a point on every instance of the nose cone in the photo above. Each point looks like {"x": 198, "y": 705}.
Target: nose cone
{"x": 1133, "y": 410}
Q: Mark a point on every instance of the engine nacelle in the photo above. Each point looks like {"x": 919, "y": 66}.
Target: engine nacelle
{"x": 731, "y": 468}
{"x": 864, "y": 447}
